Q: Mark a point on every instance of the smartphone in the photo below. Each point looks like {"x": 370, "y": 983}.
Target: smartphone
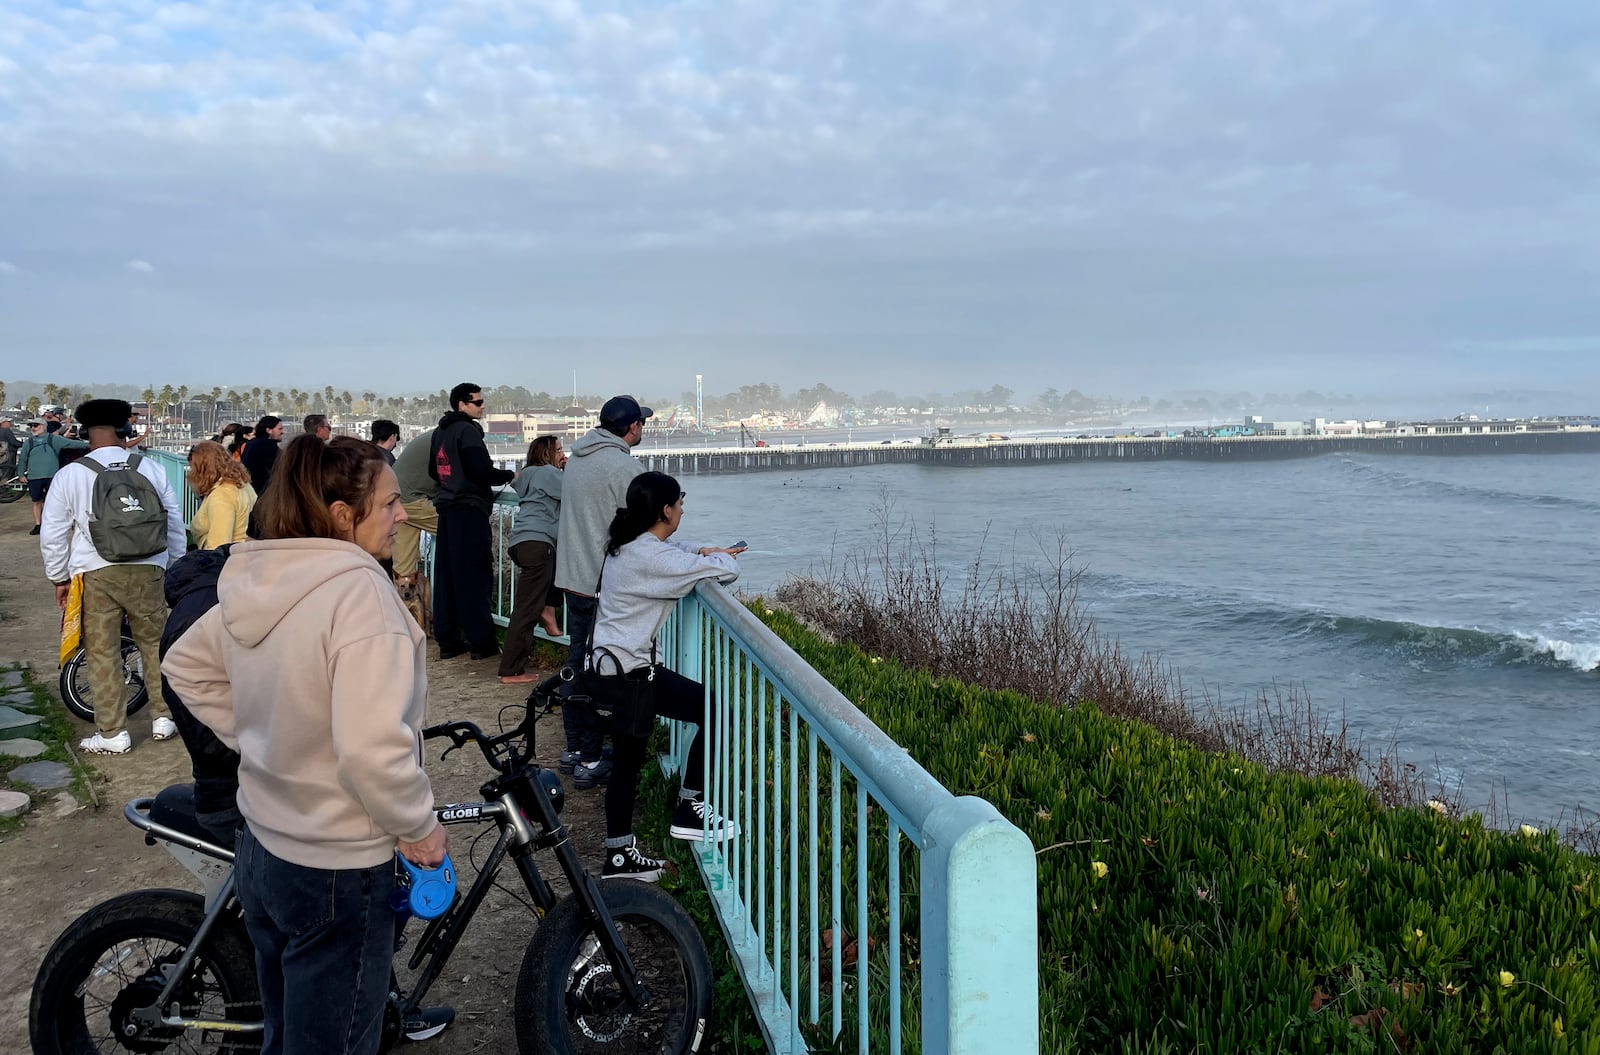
{"x": 741, "y": 544}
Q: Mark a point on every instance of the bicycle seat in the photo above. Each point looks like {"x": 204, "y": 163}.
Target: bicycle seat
{"x": 174, "y": 808}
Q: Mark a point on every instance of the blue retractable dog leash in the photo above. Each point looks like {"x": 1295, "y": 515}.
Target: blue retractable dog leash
{"x": 432, "y": 889}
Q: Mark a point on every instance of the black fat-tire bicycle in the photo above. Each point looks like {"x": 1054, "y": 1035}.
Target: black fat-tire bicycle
{"x": 12, "y": 488}
{"x": 77, "y": 694}
{"x": 615, "y": 967}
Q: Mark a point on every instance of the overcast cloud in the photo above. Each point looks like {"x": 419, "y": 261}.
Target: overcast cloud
{"x": 1096, "y": 194}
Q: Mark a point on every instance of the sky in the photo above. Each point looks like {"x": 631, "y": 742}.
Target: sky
{"x": 1108, "y": 195}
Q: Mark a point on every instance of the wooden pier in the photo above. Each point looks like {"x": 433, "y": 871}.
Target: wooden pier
{"x": 970, "y": 453}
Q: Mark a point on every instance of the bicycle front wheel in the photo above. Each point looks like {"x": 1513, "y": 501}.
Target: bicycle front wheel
{"x": 568, "y": 1000}
{"x": 10, "y": 491}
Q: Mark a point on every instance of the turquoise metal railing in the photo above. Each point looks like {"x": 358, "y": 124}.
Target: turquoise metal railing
{"x": 848, "y": 849}
{"x": 860, "y": 897}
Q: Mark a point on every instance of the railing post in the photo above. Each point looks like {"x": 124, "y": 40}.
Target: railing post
{"x": 980, "y": 983}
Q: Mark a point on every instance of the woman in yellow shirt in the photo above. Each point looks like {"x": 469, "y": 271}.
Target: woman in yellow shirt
{"x": 225, "y": 485}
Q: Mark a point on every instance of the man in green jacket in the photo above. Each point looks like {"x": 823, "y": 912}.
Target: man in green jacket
{"x": 39, "y": 461}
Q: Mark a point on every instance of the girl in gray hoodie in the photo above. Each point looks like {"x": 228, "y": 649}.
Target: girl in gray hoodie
{"x": 643, "y": 577}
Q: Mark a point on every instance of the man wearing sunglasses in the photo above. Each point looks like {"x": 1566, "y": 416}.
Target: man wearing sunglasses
{"x": 464, "y": 554}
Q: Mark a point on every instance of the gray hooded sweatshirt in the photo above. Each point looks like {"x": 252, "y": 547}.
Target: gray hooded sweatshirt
{"x": 642, "y": 585}
{"x": 594, "y": 486}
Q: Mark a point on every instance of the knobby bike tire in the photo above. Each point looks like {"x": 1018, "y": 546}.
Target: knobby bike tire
{"x": 74, "y": 682}
{"x": 565, "y": 976}
{"x": 110, "y": 951}
{"x": 11, "y": 492}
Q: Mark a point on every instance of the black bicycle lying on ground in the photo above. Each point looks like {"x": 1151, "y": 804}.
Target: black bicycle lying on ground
{"x": 616, "y": 966}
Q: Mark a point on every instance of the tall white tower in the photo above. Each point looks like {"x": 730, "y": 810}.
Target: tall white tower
{"x": 699, "y": 392}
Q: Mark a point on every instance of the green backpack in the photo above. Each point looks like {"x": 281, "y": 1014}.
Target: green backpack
{"x": 126, "y": 518}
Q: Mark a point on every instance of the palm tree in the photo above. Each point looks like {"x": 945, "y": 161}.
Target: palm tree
{"x": 2, "y": 393}
{"x": 33, "y": 406}
{"x": 165, "y": 395}
{"x": 255, "y": 398}
{"x": 51, "y": 391}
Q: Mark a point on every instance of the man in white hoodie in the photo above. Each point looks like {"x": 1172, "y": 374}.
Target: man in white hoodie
{"x": 594, "y": 486}
{"x": 111, "y": 588}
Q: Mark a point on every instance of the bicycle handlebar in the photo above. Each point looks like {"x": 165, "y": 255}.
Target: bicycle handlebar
{"x": 493, "y": 747}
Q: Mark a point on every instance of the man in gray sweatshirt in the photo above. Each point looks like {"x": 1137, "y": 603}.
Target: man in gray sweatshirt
{"x": 595, "y": 485}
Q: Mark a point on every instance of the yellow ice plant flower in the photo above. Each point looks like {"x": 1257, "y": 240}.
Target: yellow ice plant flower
{"x": 1438, "y": 807}
{"x": 1100, "y": 869}
{"x": 1529, "y": 830}
{"x": 1507, "y": 979}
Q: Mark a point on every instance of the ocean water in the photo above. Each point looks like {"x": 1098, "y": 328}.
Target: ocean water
{"x": 1450, "y": 604}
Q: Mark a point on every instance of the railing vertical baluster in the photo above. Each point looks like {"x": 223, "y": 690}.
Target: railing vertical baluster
{"x": 761, "y": 821}
{"x": 777, "y": 848}
{"x": 837, "y": 924}
{"x": 894, "y": 938}
{"x": 816, "y": 966}
{"x": 863, "y": 950}
{"x": 794, "y": 874}
{"x": 748, "y": 834}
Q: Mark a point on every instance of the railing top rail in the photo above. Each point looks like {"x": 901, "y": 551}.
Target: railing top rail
{"x": 906, "y": 790}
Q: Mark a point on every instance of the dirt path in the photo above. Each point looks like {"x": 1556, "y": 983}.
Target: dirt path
{"x": 54, "y": 868}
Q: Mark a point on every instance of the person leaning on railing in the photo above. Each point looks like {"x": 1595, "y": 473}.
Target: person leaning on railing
{"x": 224, "y": 485}
{"x": 532, "y": 545}
{"x": 641, "y": 581}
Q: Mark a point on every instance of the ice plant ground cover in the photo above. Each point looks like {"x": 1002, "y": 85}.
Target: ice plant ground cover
{"x": 1194, "y": 901}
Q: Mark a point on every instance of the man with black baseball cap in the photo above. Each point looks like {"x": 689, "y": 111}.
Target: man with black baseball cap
{"x": 117, "y": 580}
{"x": 594, "y": 486}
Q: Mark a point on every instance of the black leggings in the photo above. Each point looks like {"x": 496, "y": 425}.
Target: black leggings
{"x": 682, "y": 700}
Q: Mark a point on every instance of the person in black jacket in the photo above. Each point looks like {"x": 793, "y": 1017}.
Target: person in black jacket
{"x": 464, "y": 555}
{"x": 261, "y": 453}
{"x": 191, "y": 589}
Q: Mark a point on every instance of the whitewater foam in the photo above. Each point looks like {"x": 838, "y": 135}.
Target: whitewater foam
{"x": 1579, "y": 655}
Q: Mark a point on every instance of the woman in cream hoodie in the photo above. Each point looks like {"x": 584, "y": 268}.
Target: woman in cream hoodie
{"x": 311, "y": 669}
{"x": 228, "y": 497}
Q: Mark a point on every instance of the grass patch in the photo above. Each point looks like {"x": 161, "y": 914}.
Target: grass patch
{"x": 1195, "y": 900}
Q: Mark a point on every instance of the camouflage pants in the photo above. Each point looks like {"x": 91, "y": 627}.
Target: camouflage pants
{"x": 107, "y": 594}
{"x": 420, "y": 517}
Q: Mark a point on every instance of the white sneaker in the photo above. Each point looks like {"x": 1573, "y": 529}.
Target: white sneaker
{"x": 120, "y": 744}
{"x": 163, "y": 729}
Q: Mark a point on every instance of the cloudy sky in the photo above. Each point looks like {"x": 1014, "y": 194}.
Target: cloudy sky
{"x": 1099, "y": 194}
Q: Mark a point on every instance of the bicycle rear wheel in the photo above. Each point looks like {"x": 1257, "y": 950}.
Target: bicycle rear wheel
{"x": 79, "y": 697}
{"x": 569, "y": 1003}
{"x": 10, "y": 491}
{"x": 114, "y": 960}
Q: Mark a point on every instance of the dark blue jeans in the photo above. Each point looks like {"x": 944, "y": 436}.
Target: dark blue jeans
{"x": 582, "y": 737}
{"x": 324, "y": 941}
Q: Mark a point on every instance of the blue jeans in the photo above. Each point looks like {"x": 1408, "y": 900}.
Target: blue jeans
{"x": 582, "y": 738}
{"x": 324, "y": 941}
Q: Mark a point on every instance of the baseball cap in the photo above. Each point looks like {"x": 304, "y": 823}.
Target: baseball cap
{"x": 622, "y": 411}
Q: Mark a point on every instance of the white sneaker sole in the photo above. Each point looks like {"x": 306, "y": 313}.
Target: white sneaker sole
{"x": 643, "y": 877}
{"x": 427, "y": 1034}
{"x": 104, "y": 750}
{"x": 698, "y": 835}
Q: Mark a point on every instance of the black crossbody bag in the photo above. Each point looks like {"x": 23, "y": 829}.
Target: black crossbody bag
{"x": 624, "y": 703}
